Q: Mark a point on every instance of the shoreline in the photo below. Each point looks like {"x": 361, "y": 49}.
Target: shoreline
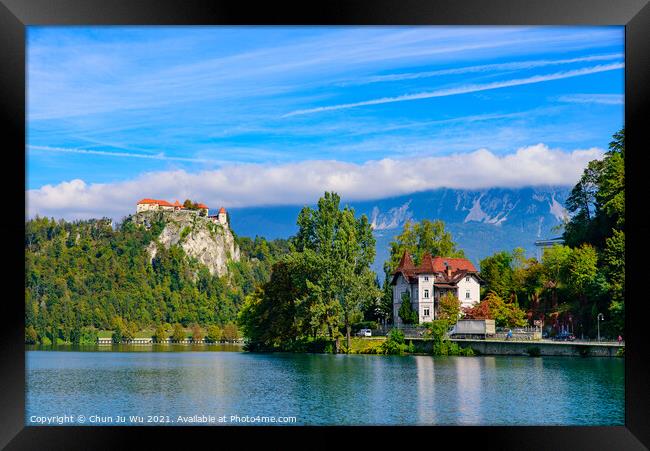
{"x": 422, "y": 347}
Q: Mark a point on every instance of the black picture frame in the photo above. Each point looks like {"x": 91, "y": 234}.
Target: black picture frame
{"x": 15, "y": 15}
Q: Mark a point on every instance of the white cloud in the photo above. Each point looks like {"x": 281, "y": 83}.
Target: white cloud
{"x": 603, "y": 99}
{"x": 464, "y": 89}
{"x": 518, "y": 65}
{"x": 299, "y": 183}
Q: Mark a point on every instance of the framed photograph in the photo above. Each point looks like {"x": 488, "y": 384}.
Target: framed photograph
{"x": 374, "y": 215}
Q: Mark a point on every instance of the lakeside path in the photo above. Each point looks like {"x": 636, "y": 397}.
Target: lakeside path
{"x": 545, "y": 347}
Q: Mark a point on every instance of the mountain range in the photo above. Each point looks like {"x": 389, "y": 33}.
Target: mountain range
{"x": 481, "y": 221}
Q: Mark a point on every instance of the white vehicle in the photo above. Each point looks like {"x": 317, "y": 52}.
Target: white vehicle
{"x": 473, "y": 328}
{"x": 365, "y": 333}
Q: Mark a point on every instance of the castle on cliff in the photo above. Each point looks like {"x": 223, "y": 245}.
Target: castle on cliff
{"x": 201, "y": 209}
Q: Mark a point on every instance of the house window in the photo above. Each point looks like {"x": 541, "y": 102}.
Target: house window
{"x": 467, "y": 295}
{"x": 426, "y": 311}
{"x": 426, "y": 278}
{"x": 467, "y": 279}
{"x": 426, "y": 294}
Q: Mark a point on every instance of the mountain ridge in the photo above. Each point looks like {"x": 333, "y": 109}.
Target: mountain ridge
{"x": 481, "y": 221}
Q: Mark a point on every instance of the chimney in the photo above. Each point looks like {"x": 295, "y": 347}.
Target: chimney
{"x": 448, "y": 270}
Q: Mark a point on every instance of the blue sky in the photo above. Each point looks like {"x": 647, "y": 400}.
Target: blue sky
{"x": 274, "y": 115}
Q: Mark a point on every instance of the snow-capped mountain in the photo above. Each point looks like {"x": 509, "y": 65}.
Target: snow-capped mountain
{"x": 481, "y": 222}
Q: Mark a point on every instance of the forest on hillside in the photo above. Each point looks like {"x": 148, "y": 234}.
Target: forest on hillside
{"x": 85, "y": 276}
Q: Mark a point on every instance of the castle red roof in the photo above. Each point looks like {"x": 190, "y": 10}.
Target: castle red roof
{"x": 164, "y": 203}
{"x": 155, "y": 201}
{"x": 222, "y": 210}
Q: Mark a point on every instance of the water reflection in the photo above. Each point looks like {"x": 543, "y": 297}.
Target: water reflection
{"x": 426, "y": 396}
{"x": 329, "y": 389}
{"x": 468, "y": 389}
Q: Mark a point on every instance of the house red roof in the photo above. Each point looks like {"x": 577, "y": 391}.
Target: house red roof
{"x": 434, "y": 265}
{"x": 405, "y": 267}
{"x": 405, "y": 263}
{"x": 464, "y": 264}
{"x": 202, "y": 206}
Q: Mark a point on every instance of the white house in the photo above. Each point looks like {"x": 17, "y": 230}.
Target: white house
{"x": 432, "y": 279}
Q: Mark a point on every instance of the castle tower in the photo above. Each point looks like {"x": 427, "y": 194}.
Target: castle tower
{"x": 223, "y": 219}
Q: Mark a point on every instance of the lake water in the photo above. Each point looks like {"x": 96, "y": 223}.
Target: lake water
{"x": 207, "y": 387}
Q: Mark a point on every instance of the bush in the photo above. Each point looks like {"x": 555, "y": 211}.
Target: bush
{"x": 534, "y": 351}
{"x": 394, "y": 344}
{"x": 620, "y": 352}
{"x": 441, "y": 344}
{"x": 46, "y": 341}
{"x": 411, "y": 347}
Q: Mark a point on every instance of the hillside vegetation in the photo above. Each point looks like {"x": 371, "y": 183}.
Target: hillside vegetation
{"x": 85, "y": 276}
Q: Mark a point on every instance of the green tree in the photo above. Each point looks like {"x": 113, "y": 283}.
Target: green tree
{"x": 122, "y": 330}
{"x": 505, "y": 314}
{"x": 178, "y": 334}
{"x": 497, "y": 272}
{"x": 160, "y": 335}
{"x": 394, "y": 343}
{"x": 214, "y": 333}
{"x": 230, "y": 332}
{"x": 343, "y": 247}
{"x": 197, "y": 333}
{"x": 31, "y": 337}
{"x": 597, "y": 202}
{"x": 406, "y": 312}
{"x": 419, "y": 238}
{"x": 449, "y": 308}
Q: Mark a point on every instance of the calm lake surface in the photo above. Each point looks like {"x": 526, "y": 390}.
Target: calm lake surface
{"x": 102, "y": 384}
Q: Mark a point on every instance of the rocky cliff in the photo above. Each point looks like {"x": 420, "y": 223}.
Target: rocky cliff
{"x": 211, "y": 244}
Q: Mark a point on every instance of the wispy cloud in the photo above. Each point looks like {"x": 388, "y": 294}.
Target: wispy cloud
{"x": 603, "y": 99}
{"x": 518, "y": 65}
{"x": 304, "y": 182}
{"x": 463, "y": 89}
{"x": 159, "y": 156}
